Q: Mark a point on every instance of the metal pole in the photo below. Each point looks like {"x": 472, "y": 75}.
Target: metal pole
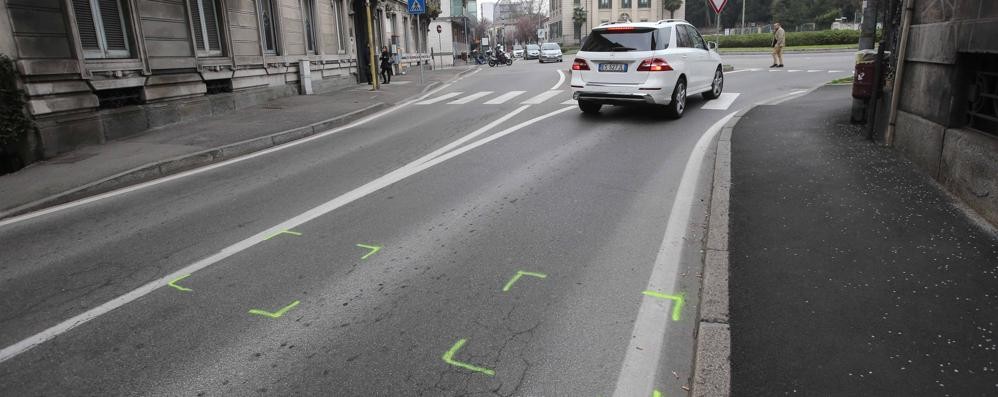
{"x": 419, "y": 29}
{"x": 743, "y": 16}
{"x": 440, "y": 46}
{"x": 370, "y": 45}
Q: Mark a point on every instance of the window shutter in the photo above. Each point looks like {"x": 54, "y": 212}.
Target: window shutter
{"x": 114, "y": 29}
{"x": 211, "y": 20}
{"x": 85, "y": 22}
{"x": 196, "y": 15}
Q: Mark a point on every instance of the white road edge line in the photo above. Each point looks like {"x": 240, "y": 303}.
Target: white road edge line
{"x": 640, "y": 366}
{"x": 113, "y": 193}
{"x": 738, "y": 71}
{"x": 388, "y": 179}
{"x": 561, "y": 79}
{"x": 780, "y": 99}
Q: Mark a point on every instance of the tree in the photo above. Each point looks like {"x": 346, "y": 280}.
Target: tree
{"x": 672, "y": 6}
{"x": 526, "y": 29}
{"x": 578, "y": 19}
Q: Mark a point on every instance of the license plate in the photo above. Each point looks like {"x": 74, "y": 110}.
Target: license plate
{"x": 613, "y": 67}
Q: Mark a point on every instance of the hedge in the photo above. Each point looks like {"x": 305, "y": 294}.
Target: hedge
{"x": 824, "y": 37}
{"x": 14, "y": 123}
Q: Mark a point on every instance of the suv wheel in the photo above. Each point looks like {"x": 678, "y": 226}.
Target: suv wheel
{"x": 676, "y": 108}
{"x": 590, "y": 107}
{"x": 716, "y": 87}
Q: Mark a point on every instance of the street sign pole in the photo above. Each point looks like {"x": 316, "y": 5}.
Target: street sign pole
{"x": 370, "y": 46}
{"x": 419, "y": 31}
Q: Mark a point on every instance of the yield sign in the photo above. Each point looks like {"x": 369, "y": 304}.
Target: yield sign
{"x": 717, "y": 5}
{"x": 417, "y": 7}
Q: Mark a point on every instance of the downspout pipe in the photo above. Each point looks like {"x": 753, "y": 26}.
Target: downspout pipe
{"x": 896, "y": 93}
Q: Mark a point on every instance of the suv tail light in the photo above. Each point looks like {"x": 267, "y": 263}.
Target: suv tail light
{"x": 654, "y": 65}
{"x": 580, "y": 64}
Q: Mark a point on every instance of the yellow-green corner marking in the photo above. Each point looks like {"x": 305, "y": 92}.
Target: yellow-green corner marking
{"x": 276, "y": 314}
{"x": 449, "y": 359}
{"x": 656, "y": 393}
{"x": 291, "y": 232}
{"x": 679, "y": 299}
{"x": 173, "y": 284}
{"x": 374, "y": 249}
{"x": 521, "y": 273}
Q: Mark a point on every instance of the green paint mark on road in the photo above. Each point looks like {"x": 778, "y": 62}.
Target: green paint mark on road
{"x": 521, "y": 273}
{"x": 374, "y": 249}
{"x": 276, "y": 314}
{"x": 656, "y": 393}
{"x": 449, "y": 359}
{"x": 173, "y": 284}
{"x": 679, "y": 299}
{"x": 293, "y": 233}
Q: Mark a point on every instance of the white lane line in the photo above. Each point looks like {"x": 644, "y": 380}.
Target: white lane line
{"x": 740, "y": 70}
{"x": 441, "y": 98}
{"x": 721, "y": 103}
{"x": 773, "y": 70}
{"x": 540, "y": 98}
{"x": 780, "y": 99}
{"x": 813, "y": 71}
{"x": 570, "y": 102}
{"x": 469, "y": 98}
{"x": 835, "y": 71}
{"x": 401, "y": 82}
{"x": 340, "y": 201}
{"x": 640, "y": 368}
{"x": 466, "y": 138}
{"x": 113, "y": 193}
{"x": 561, "y": 79}
{"x": 501, "y": 99}
{"x": 792, "y": 70}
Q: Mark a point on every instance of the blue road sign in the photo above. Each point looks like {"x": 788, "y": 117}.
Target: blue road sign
{"x": 417, "y": 7}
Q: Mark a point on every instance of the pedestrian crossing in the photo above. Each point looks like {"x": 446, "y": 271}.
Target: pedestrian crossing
{"x": 549, "y": 96}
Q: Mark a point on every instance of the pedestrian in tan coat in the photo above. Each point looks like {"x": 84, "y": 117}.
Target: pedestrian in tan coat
{"x": 779, "y": 41}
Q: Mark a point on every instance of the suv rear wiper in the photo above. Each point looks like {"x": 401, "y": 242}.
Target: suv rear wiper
{"x": 622, "y": 49}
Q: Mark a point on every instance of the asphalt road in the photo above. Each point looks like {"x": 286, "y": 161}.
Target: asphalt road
{"x": 461, "y": 197}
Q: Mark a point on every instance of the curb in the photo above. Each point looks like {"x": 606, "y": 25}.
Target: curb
{"x": 206, "y": 157}
{"x": 712, "y": 360}
{"x": 814, "y": 51}
{"x": 186, "y": 162}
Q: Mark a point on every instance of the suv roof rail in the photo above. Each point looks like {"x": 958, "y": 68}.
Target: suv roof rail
{"x": 671, "y": 20}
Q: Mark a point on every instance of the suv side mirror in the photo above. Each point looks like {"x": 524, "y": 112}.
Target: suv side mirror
{"x": 712, "y": 45}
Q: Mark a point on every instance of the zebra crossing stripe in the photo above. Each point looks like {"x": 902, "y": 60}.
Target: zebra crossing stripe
{"x": 570, "y": 102}
{"x": 540, "y": 98}
{"x": 469, "y": 98}
{"x": 501, "y": 99}
{"x": 441, "y": 98}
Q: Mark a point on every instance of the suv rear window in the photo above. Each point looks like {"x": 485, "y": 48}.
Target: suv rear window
{"x": 626, "y": 38}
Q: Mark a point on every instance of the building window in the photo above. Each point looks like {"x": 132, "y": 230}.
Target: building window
{"x": 308, "y": 18}
{"x": 982, "y": 105}
{"x": 644, "y": 3}
{"x": 625, "y": 4}
{"x": 604, "y": 4}
{"x": 268, "y": 25}
{"x": 341, "y": 35}
{"x": 103, "y": 31}
{"x": 206, "y": 19}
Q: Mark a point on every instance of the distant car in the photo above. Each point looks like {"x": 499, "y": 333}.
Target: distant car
{"x": 533, "y": 51}
{"x": 517, "y": 51}
{"x": 550, "y": 52}
{"x": 654, "y": 63}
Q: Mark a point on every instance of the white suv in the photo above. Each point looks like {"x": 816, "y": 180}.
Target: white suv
{"x": 654, "y": 63}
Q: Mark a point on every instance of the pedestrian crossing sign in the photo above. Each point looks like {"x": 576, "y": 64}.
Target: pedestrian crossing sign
{"x": 417, "y": 7}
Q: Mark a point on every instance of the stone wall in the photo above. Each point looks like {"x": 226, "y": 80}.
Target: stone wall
{"x": 948, "y": 41}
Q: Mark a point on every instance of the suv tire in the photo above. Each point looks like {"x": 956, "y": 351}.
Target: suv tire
{"x": 676, "y": 108}
{"x": 590, "y": 107}
{"x": 716, "y": 86}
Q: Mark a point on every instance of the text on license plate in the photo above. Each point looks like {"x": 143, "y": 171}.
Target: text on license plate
{"x": 613, "y": 67}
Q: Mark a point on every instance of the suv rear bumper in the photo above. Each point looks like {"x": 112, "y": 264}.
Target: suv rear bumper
{"x": 619, "y": 98}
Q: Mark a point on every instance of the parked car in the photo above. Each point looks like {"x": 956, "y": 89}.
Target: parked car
{"x": 517, "y": 51}
{"x": 533, "y": 51}
{"x": 652, "y": 63}
{"x": 550, "y": 52}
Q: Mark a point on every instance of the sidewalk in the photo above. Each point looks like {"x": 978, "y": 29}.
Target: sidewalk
{"x": 92, "y": 170}
{"x": 851, "y": 273}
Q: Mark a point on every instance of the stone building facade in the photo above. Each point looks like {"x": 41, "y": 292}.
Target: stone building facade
{"x": 97, "y": 70}
{"x": 562, "y": 29}
{"x": 947, "y": 119}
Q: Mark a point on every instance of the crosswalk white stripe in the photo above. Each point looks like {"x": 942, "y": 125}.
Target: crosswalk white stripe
{"x": 722, "y": 102}
{"x": 540, "y": 98}
{"x": 570, "y": 102}
{"x": 441, "y": 98}
{"x": 501, "y": 99}
{"x": 834, "y": 71}
{"x": 792, "y": 70}
{"x": 469, "y": 98}
{"x": 813, "y": 70}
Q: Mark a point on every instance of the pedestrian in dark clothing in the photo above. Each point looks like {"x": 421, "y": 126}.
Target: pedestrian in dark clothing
{"x": 386, "y": 65}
